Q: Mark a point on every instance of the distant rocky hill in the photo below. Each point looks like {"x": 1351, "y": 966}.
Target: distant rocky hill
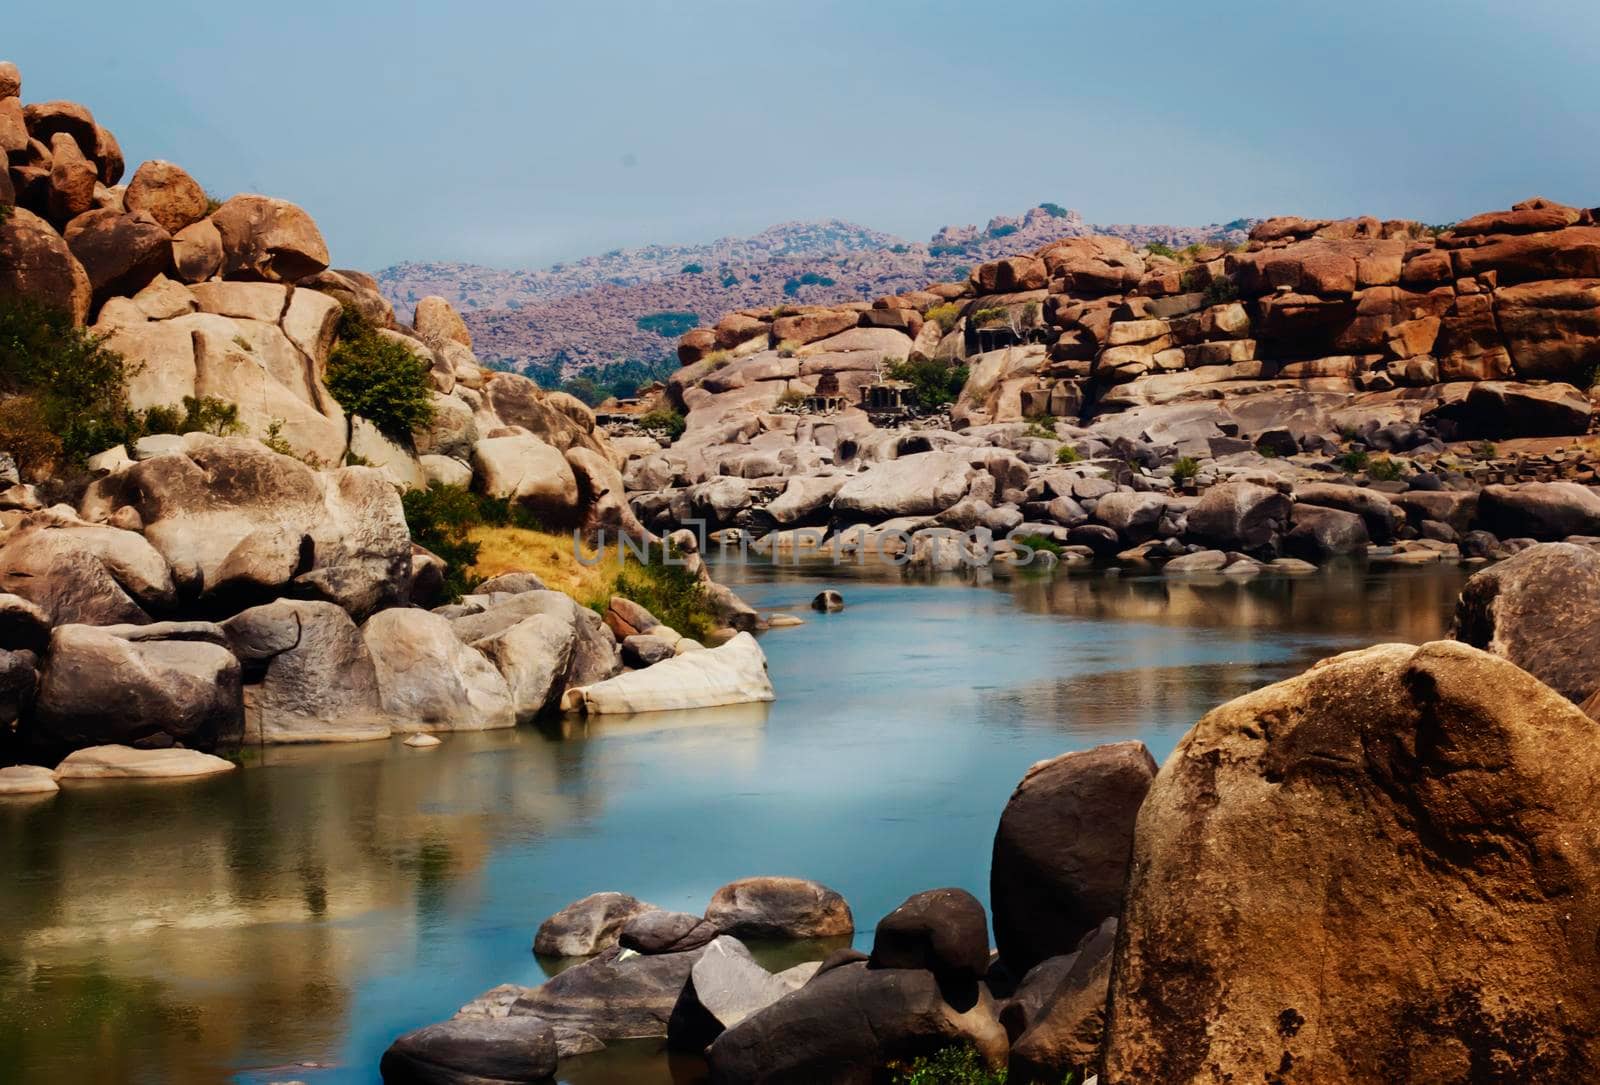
{"x": 607, "y": 308}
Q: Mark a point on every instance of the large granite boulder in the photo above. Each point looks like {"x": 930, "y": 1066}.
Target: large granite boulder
{"x": 121, "y": 253}
{"x": 944, "y": 931}
{"x": 848, "y": 1023}
{"x": 1540, "y": 609}
{"x": 1376, "y": 871}
{"x": 526, "y": 470}
{"x": 731, "y": 673}
{"x": 587, "y": 926}
{"x": 1065, "y": 1035}
{"x": 532, "y": 656}
{"x": 1318, "y": 533}
{"x": 471, "y": 1050}
{"x": 99, "y": 687}
{"x": 1061, "y": 851}
{"x": 227, "y": 510}
{"x": 268, "y": 240}
{"x": 1380, "y": 515}
{"x": 725, "y": 986}
{"x": 922, "y": 484}
{"x": 1500, "y": 409}
{"x": 437, "y": 323}
{"x": 307, "y": 674}
{"x": 775, "y": 907}
{"x": 594, "y": 648}
{"x": 85, "y": 573}
{"x": 428, "y": 680}
{"x": 1540, "y": 510}
{"x": 1240, "y": 516}
{"x": 36, "y": 263}
{"x": 167, "y": 193}
{"x": 115, "y": 762}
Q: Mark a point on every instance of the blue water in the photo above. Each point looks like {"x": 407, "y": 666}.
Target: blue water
{"x": 287, "y": 921}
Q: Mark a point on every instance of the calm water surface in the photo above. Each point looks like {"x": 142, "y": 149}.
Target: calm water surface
{"x": 287, "y": 921}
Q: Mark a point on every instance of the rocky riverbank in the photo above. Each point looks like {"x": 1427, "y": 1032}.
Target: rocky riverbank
{"x": 1379, "y": 870}
{"x": 211, "y": 544}
{"x": 1331, "y": 388}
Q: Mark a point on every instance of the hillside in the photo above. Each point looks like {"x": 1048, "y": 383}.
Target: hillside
{"x": 587, "y": 312}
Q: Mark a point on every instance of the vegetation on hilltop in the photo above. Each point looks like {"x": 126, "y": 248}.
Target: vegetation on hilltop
{"x": 620, "y": 379}
{"x": 935, "y": 383}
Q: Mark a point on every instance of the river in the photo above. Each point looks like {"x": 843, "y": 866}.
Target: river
{"x": 285, "y": 922}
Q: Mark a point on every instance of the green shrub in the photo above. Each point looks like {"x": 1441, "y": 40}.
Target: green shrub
{"x": 439, "y": 519}
{"x": 665, "y": 421}
{"x": 792, "y": 286}
{"x": 1184, "y": 468}
{"x": 1030, "y": 314}
{"x": 671, "y": 592}
{"x": 1384, "y": 469}
{"x": 1068, "y": 454}
{"x": 206, "y": 414}
{"x": 946, "y": 316}
{"x": 380, "y": 379}
{"x": 77, "y": 387}
{"x": 1161, "y": 248}
{"x": 691, "y": 269}
{"x": 1486, "y": 450}
{"x": 1040, "y": 542}
{"x": 669, "y": 325}
{"x": 1353, "y": 461}
{"x": 1042, "y": 425}
{"x": 791, "y": 397}
{"x": 213, "y": 204}
{"x": 1054, "y": 210}
{"x": 984, "y": 318}
{"x": 951, "y": 1066}
{"x": 934, "y": 383}
{"x": 1221, "y": 290}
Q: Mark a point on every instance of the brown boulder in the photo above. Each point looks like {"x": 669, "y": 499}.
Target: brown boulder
{"x": 1540, "y": 609}
{"x": 13, "y": 129}
{"x": 1573, "y": 253}
{"x": 1009, "y": 275}
{"x": 168, "y": 193}
{"x": 809, "y": 327}
{"x": 72, "y": 179}
{"x": 1240, "y": 516}
{"x": 197, "y": 252}
{"x": 1376, "y": 871}
{"x": 774, "y": 907}
{"x": 122, "y": 253}
{"x": 1066, "y": 1034}
{"x": 1061, "y": 850}
{"x": 353, "y": 288}
{"x": 437, "y": 323}
{"x": 1540, "y": 510}
{"x": 696, "y": 344}
{"x": 48, "y": 119}
{"x": 36, "y": 263}
{"x": 268, "y": 239}
{"x": 108, "y": 156}
{"x": 944, "y": 931}
{"x": 1498, "y": 409}
{"x": 1552, "y": 328}
{"x": 736, "y": 328}
{"x": 1528, "y": 221}
{"x": 10, "y": 79}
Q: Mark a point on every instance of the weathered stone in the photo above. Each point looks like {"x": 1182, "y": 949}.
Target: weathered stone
{"x": 1540, "y": 609}
{"x": 1431, "y": 791}
{"x": 268, "y": 239}
{"x": 1539, "y": 510}
{"x": 922, "y": 484}
{"x": 428, "y": 680}
{"x": 197, "y": 252}
{"x": 85, "y": 573}
{"x": 616, "y": 995}
{"x": 1066, "y": 1034}
{"x": 725, "y": 987}
{"x": 438, "y": 323}
{"x": 527, "y": 470}
{"x": 115, "y": 762}
{"x": 732, "y": 673}
{"x": 1380, "y": 515}
{"x": 1240, "y": 516}
{"x": 1318, "y": 533}
{"x": 473, "y": 1051}
{"x": 122, "y": 254}
{"x": 1061, "y": 852}
{"x": 532, "y": 656}
{"x": 943, "y": 931}
{"x": 587, "y": 926}
{"x": 167, "y": 193}
{"x": 35, "y": 263}
{"x": 658, "y": 931}
{"x": 772, "y": 907}
{"x": 27, "y": 780}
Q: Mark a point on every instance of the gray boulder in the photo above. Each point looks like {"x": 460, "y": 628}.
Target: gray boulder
{"x": 1240, "y": 516}
{"x": 944, "y": 931}
{"x": 773, "y": 907}
{"x": 473, "y": 1051}
{"x": 307, "y": 672}
{"x": 1065, "y": 1036}
{"x": 922, "y": 484}
{"x": 659, "y": 931}
{"x": 1319, "y": 533}
{"x": 1548, "y": 511}
{"x": 428, "y": 680}
{"x": 725, "y": 987}
{"x": 587, "y": 926}
{"x": 532, "y": 656}
{"x": 80, "y": 573}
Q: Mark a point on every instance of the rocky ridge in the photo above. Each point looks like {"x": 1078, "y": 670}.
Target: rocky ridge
{"x": 587, "y": 312}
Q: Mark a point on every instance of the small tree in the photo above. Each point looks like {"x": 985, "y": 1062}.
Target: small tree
{"x": 380, "y": 379}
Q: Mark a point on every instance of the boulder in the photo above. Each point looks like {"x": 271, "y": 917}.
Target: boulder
{"x": 602, "y": 495}
{"x": 594, "y": 649}
{"x": 197, "y": 252}
{"x": 529, "y": 471}
{"x": 1551, "y": 329}
{"x": 1370, "y": 872}
{"x": 1133, "y": 516}
{"x": 437, "y": 323}
{"x": 19, "y": 679}
{"x": 35, "y": 263}
{"x": 645, "y": 650}
{"x": 725, "y": 987}
{"x": 121, "y": 253}
{"x": 944, "y": 931}
{"x": 1540, "y": 609}
{"x": 127, "y": 763}
{"x": 922, "y": 484}
{"x": 1066, "y": 1034}
{"x": 1380, "y": 515}
{"x": 732, "y": 673}
{"x": 213, "y": 496}
{"x": 532, "y": 656}
{"x": 1240, "y": 516}
{"x": 85, "y": 573}
{"x": 27, "y": 780}
{"x": 167, "y": 193}
{"x": 269, "y": 240}
{"x": 587, "y": 926}
{"x": 847, "y": 1024}
{"x": 71, "y": 181}
{"x": 472, "y": 1050}
{"x": 1501, "y": 409}
{"x": 659, "y": 931}
{"x": 1062, "y": 848}
{"x": 1540, "y": 510}
{"x": 617, "y": 995}
{"x": 307, "y": 673}
{"x": 772, "y": 907}
{"x": 809, "y": 327}
{"x": 828, "y": 602}
{"x": 1318, "y": 533}
{"x": 428, "y": 680}
{"x": 98, "y": 688}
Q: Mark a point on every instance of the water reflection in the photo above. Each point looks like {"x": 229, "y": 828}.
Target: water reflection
{"x": 310, "y": 907}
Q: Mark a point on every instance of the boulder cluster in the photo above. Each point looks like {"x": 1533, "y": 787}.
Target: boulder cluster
{"x": 260, "y": 584}
{"x": 1329, "y": 388}
{"x": 1380, "y": 870}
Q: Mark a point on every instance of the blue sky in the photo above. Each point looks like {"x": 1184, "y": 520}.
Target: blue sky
{"x": 521, "y": 133}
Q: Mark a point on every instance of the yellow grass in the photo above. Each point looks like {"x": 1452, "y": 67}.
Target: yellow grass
{"x": 550, "y": 558}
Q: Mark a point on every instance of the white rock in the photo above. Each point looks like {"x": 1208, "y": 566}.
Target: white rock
{"x": 420, "y": 741}
{"x": 27, "y": 780}
{"x": 429, "y": 680}
{"x": 734, "y": 673}
{"x": 125, "y": 762}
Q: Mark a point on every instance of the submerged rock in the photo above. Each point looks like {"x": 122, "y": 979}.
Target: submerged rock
{"x": 473, "y": 1051}
{"x": 125, "y": 762}
{"x": 27, "y": 780}
{"x": 587, "y": 926}
{"x": 1369, "y": 872}
{"x": 732, "y": 673}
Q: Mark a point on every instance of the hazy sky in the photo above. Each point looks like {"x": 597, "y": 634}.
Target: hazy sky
{"x": 517, "y": 132}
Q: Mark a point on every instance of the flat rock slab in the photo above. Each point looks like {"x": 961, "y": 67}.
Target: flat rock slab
{"x": 732, "y": 673}
{"x": 27, "y": 780}
{"x": 127, "y": 763}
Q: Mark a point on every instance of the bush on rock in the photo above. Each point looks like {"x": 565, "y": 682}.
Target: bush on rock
{"x": 379, "y": 378}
